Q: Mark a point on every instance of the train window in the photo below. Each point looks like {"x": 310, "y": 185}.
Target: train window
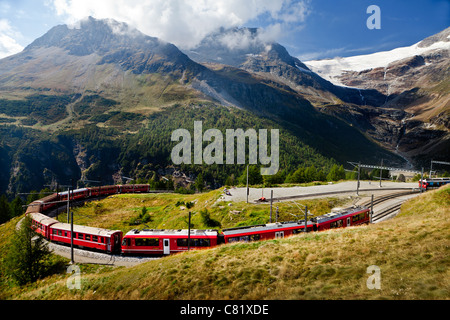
{"x": 253, "y": 237}
{"x": 336, "y": 224}
{"x": 54, "y": 231}
{"x": 95, "y": 238}
{"x": 126, "y": 242}
{"x": 80, "y": 236}
{"x": 358, "y": 217}
{"x": 60, "y": 233}
{"x": 88, "y": 237}
{"x": 146, "y": 242}
{"x": 194, "y": 242}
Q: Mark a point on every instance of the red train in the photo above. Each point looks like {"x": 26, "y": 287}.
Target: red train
{"x": 154, "y": 241}
{"x": 337, "y": 219}
{"x": 433, "y": 183}
{"x": 171, "y": 241}
{"x": 84, "y": 237}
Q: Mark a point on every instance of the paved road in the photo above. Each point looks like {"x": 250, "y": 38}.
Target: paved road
{"x": 366, "y": 187}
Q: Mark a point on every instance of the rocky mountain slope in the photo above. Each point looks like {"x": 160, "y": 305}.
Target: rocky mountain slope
{"x": 414, "y": 118}
{"x": 247, "y": 49}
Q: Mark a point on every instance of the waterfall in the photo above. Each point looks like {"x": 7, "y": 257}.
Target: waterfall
{"x": 362, "y": 97}
{"x": 387, "y": 85}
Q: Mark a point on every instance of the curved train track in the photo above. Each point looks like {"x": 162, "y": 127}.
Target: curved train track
{"x": 376, "y": 217}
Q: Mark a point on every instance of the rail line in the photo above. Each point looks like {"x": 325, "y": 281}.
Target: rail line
{"x": 381, "y": 199}
{"x": 384, "y": 213}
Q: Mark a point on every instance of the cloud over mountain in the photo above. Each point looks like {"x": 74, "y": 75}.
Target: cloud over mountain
{"x": 8, "y": 44}
{"x": 186, "y": 22}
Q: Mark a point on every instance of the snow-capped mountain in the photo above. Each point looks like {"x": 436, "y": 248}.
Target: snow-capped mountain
{"x": 333, "y": 69}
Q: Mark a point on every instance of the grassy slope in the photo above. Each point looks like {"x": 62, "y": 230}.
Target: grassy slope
{"x": 412, "y": 252}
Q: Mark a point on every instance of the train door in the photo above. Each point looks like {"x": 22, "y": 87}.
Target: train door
{"x": 279, "y": 234}
{"x": 108, "y": 244}
{"x": 348, "y": 221}
{"x": 116, "y": 247}
{"x": 166, "y": 244}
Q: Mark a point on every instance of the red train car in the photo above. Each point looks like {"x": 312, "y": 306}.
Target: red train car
{"x": 159, "y": 242}
{"x": 35, "y": 206}
{"x": 87, "y": 237}
{"x": 42, "y": 224}
{"x": 43, "y": 204}
{"x": 104, "y": 191}
{"x": 264, "y": 231}
{"x": 49, "y": 202}
{"x": 433, "y": 183}
{"x": 75, "y": 194}
{"x": 339, "y": 218}
{"x": 133, "y": 188}
{"x": 336, "y": 219}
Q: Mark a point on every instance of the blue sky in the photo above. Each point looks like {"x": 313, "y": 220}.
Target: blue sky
{"x": 309, "y": 29}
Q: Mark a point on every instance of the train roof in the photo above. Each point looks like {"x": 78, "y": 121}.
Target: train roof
{"x": 436, "y": 179}
{"x": 265, "y": 227}
{"x": 83, "y": 229}
{"x": 338, "y": 213}
{"x": 173, "y": 232}
{"x": 43, "y": 219}
{"x": 63, "y": 193}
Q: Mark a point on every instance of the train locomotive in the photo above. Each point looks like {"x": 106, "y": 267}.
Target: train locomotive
{"x": 433, "y": 183}
{"x": 164, "y": 242}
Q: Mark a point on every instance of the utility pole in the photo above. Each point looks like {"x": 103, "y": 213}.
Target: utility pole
{"x": 359, "y": 176}
{"x": 189, "y": 232}
{"x": 68, "y": 205}
{"x": 431, "y": 168}
{"x": 71, "y": 238}
{"x": 381, "y": 171}
{"x": 421, "y": 182}
{"x": 247, "y": 184}
{"x": 306, "y": 218}
{"x": 271, "y": 201}
{"x": 371, "y": 209}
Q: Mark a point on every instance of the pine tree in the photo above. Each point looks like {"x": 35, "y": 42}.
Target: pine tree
{"x": 25, "y": 260}
{"x": 5, "y": 210}
{"x": 199, "y": 182}
{"x": 16, "y": 207}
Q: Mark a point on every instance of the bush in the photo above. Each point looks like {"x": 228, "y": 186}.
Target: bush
{"x": 207, "y": 221}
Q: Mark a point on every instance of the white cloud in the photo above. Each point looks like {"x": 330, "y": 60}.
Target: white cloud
{"x": 8, "y": 44}
{"x": 185, "y": 22}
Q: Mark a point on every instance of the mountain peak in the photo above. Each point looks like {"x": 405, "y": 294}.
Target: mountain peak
{"x": 88, "y": 36}
{"x": 443, "y": 36}
{"x": 238, "y": 47}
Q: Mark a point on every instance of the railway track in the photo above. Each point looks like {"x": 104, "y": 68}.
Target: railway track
{"x": 384, "y": 198}
{"x": 391, "y": 209}
{"x": 386, "y": 212}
